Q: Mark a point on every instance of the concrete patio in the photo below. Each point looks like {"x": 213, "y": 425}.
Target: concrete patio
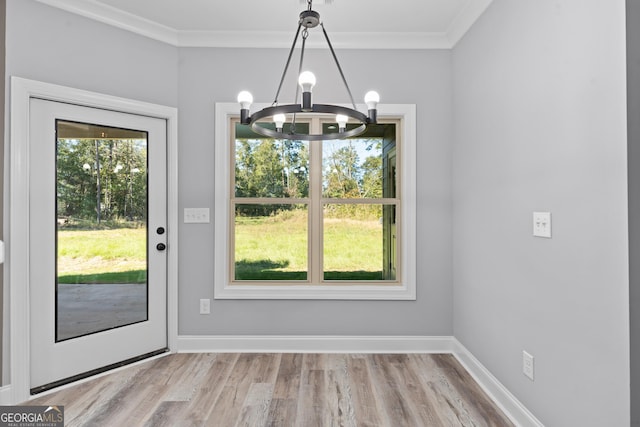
{"x": 89, "y": 308}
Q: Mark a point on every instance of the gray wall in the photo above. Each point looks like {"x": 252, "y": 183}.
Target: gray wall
{"x": 533, "y": 101}
{"x": 633, "y": 102}
{"x": 540, "y": 124}
{"x": 79, "y": 52}
{"x": 208, "y": 76}
{"x": 47, "y": 44}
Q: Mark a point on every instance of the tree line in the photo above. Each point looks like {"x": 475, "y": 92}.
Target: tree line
{"x": 269, "y": 168}
{"x": 101, "y": 179}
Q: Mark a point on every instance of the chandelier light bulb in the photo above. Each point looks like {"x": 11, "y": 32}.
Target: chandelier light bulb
{"x": 371, "y": 99}
{"x": 279, "y": 120}
{"x": 342, "y": 120}
{"x": 307, "y": 81}
{"x": 245, "y": 99}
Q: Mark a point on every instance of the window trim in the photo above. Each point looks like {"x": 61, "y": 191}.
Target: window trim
{"x": 405, "y": 290}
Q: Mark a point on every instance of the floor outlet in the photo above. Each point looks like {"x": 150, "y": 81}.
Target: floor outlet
{"x": 527, "y": 365}
{"x": 205, "y": 306}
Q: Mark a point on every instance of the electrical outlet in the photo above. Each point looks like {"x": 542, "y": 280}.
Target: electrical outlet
{"x": 205, "y": 306}
{"x": 542, "y": 224}
{"x": 527, "y": 365}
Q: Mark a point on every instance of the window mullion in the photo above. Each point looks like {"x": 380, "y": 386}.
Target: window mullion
{"x": 315, "y": 208}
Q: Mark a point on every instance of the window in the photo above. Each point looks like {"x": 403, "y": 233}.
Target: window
{"x": 316, "y": 219}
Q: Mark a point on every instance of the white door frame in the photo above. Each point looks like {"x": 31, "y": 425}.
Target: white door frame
{"x": 17, "y": 261}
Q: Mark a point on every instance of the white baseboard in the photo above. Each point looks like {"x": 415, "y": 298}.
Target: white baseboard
{"x": 314, "y": 344}
{"x": 502, "y": 397}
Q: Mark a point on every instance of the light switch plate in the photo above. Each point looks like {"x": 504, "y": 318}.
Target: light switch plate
{"x": 527, "y": 365}
{"x": 542, "y": 224}
{"x": 196, "y": 215}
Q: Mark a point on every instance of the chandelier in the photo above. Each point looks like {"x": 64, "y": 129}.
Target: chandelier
{"x": 279, "y": 114}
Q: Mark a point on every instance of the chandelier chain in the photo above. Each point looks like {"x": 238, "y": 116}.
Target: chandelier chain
{"x": 305, "y": 34}
{"x": 335, "y": 58}
{"x": 309, "y": 5}
{"x": 286, "y": 67}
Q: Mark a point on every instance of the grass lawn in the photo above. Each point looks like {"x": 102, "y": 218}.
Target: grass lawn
{"x": 102, "y": 256}
{"x": 269, "y": 248}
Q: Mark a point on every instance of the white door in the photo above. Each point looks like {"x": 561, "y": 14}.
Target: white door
{"x": 97, "y": 238}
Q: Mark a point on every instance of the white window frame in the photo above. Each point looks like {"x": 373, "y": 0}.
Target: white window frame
{"x": 405, "y": 290}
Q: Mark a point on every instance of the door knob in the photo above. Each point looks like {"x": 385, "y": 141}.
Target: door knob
{"x": 160, "y": 230}
{"x": 161, "y": 246}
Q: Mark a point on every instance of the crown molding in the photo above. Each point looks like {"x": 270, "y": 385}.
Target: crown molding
{"x": 465, "y": 20}
{"x": 117, "y": 18}
{"x": 272, "y": 39}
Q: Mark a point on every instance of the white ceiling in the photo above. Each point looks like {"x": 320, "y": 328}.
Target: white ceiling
{"x": 413, "y": 24}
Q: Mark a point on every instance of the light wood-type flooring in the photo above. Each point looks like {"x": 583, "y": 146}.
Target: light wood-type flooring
{"x": 223, "y": 389}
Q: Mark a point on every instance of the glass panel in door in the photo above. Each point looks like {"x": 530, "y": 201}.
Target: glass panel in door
{"x": 101, "y": 232}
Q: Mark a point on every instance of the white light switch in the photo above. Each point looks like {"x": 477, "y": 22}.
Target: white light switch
{"x": 196, "y": 215}
{"x": 527, "y": 365}
{"x": 542, "y": 224}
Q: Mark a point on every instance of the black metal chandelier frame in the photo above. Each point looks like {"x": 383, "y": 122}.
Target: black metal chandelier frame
{"x": 309, "y": 19}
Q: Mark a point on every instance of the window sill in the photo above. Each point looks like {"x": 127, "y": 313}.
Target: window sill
{"x": 316, "y": 292}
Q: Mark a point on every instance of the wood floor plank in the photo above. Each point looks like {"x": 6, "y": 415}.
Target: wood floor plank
{"x": 226, "y": 389}
{"x": 453, "y": 409}
{"x": 470, "y": 396}
{"x": 311, "y": 399}
{"x": 421, "y": 400}
{"x": 365, "y": 403}
{"x": 225, "y": 410}
{"x": 392, "y": 394}
{"x": 311, "y": 402}
{"x": 338, "y": 396}
{"x": 119, "y": 409}
{"x": 94, "y": 395}
{"x": 282, "y": 412}
{"x": 288, "y": 380}
{"x": 255, "y": 410}
{"x": 211, "y": 387}
{"x": 81, "y": 394}
{"x": 227, "y": 406}
{"x": 136, "y": 397}
{"x": 167, "y": 414}
{"x": 429, "y": 374}
{"x": 249, "y": 369}
{"x": 187, "y": 380}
